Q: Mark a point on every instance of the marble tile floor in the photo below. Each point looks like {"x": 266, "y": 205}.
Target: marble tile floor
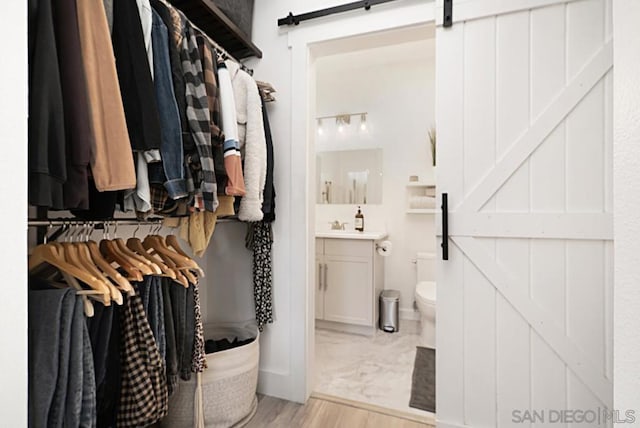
{"x": 375, "y": 370}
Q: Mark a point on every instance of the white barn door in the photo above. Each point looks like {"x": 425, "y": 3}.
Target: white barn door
{"x": 524, "y": 311}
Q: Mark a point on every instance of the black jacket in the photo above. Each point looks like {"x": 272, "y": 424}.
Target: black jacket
{"x": 77, "y": 117}
{"x": 47, "y": 163}
{"x": 134, "y": 75}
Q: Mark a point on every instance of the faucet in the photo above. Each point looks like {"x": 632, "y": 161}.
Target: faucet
{"x": 336, "y": 225}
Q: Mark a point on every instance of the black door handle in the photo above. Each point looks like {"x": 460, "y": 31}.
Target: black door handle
{"x": 445, "y": 226}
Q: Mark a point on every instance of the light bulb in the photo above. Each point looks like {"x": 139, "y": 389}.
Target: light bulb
{"x": 320, "y": 132}
{"x": 363, "y": 126}
{"x": 340, "y": 128}
{"x": 363, "y": 122}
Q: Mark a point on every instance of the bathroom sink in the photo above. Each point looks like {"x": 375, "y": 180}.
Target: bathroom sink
{"x": 351, "y": 234}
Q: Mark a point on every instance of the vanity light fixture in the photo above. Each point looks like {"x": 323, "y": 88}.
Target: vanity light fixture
{"x": 363, "y": 122}
{"x": 342, "y": 120}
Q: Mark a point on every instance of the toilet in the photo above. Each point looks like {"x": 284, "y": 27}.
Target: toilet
{"x": 425, "y": 295}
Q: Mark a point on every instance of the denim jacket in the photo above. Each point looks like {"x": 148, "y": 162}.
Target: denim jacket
{"x": 171, "y": 147}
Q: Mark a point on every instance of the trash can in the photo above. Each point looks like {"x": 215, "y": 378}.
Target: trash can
{"x": 389, "y": 309}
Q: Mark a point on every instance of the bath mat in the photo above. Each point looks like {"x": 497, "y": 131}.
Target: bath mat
{"x": 423, "y": 382}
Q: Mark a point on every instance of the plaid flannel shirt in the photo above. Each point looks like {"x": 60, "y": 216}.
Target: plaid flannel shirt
{"x": 198, "y": 115}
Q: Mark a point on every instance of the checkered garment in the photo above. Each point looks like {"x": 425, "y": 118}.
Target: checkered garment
{"x": 198, "y": 115}
{"x": 143, "y": 394}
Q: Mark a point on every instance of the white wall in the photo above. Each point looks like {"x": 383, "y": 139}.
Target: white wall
{"x": 284, "y": 367}
{"x": 398, "y": 95}
{"x": 626, "y": 15}
{"x": 13, "y": 215}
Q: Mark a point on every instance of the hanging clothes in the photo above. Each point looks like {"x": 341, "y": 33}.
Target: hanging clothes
{"x": 196, "y": 229}
{"x": 198, "y": 117}
{"x": 108, "y": 9}
{"x": 150, "y": 291}
{"x": 47, "y": 146}
{"x": 143, "y": 395}
{"x": 136, "y": 85}
{"x": 112, "y": 165}
{"x": 269, "y": 194}
{"x": 171, "y": 360}
{"x": 105, "y": 333}
{"x": 199, "y": 358}
{"x": 169, "y": 173}
{"x": 175, "y": 22}
{"x": 231, "y": 148}
{"x": 189, "y": 336}
{"x": 251, "y": 140}
{"x": 259, "y": 240}
{"x": 210, "y": 70}
{"x": 78, "y": 132}
{"x": 62, "y": 390}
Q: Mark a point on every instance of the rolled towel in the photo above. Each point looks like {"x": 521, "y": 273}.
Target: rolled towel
{"x": 422, "y": 202}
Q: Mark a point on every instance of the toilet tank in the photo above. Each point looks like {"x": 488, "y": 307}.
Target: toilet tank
{"x": 426, "y": 263}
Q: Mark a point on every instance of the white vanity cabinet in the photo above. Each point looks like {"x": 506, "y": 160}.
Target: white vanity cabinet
{"x": 349, "y": 278}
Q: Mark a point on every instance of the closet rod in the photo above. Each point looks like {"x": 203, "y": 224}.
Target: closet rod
{"x": 221, "y": 49}
{"x": 34, "y": 222}
{"x": 292, "y": 19}
{"x": 72, "y": 222}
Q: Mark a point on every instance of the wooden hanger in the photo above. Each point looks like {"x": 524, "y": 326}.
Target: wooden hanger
{"x": 151, "y": 243}
{"x": 180, "y": 278}
{"x": 139, "y": 262}
{"x": 71, "y": 254}
{"x": 49, "y": 254}
{"x": 160, "y": 245}
{"x": 111, "y": 253}
{"x": 135, "y": 244}
{"x": 94, "y": 253}
{"x": 183, "y": 263}
{"x": 74, "y": 255}
{"x": 90, "y": 265}
{"x": 172, "y": 241}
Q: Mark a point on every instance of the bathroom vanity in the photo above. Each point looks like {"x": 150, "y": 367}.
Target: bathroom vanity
{"x": 349, "y": 277}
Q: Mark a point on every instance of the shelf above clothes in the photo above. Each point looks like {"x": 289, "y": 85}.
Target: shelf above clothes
{"x": 213, "y": 21}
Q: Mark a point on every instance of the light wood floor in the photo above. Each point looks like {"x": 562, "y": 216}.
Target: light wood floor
{"x": 319, "y": 413}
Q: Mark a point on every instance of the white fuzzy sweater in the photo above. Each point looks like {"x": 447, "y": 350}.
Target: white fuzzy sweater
{"x": 252, "y": 141}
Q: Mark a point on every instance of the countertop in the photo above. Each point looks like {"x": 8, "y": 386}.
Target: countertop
{"x": 351, "y": 234}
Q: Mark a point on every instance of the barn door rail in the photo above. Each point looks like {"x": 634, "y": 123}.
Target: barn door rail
{"x": 292, "y": 19}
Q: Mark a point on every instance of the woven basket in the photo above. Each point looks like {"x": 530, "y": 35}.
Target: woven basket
{"x": 228, "y": 388}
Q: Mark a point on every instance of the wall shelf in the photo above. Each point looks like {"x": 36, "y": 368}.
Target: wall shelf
{"x": 420, "y": 189}
{"x": 213, "y": 21}
{"x": 420, "y": 184}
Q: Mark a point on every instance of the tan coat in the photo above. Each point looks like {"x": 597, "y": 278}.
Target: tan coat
{"x": 111, "y": 158}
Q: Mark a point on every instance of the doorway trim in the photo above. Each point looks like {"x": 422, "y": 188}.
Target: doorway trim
{"x": 302, "y": 44}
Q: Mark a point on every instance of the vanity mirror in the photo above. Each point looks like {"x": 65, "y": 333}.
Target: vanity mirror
{"x": 349, "y": 176}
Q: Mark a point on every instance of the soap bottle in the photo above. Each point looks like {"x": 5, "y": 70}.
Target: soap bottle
{"x": 359, "y": 223}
